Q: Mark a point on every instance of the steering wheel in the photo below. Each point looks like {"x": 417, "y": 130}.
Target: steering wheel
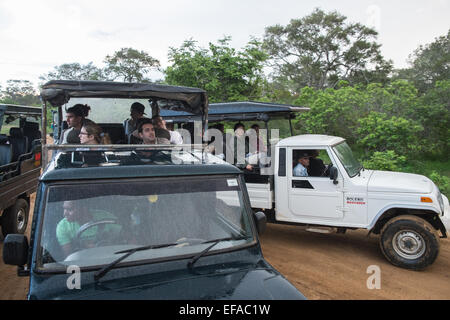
{"x": 91, "y": 224}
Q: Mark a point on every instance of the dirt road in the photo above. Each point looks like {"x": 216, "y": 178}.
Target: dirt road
{"x": 321, "y": 266}
{"x": 334, "y": 266}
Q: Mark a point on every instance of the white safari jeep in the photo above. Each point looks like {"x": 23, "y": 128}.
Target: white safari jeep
{"x": 407, "y": 210}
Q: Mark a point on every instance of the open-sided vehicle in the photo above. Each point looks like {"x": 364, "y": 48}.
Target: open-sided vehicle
{"x": 142, "y": 221}
{"x": 20, "y": 164}
{"x": 406, "y": 210}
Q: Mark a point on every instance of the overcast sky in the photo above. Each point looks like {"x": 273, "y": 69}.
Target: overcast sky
{"x": 35, "y": 35}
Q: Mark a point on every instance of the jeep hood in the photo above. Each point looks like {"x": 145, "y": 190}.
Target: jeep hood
{"x": 245, "y": 284}
{"x": 386, "y": 181}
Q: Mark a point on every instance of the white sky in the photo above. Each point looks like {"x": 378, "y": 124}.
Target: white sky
{"x": 35, "y": 35}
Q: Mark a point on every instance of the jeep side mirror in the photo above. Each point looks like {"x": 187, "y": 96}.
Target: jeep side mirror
{"x": 260, "y": 221}
{"x": 334, "y": 174}
{"x": 15, "y": 250}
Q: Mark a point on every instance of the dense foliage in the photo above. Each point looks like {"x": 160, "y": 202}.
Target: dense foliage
{"x": 387, "y": 125}
{"x": 225, "y": 73}
{"x": 429, "y": 64}
{"x": 126, "y": 64}
{"x": 323, "y": 48}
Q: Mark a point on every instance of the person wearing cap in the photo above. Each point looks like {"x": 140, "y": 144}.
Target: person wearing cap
{"x": 301, "y": 169}
{"x": 136, "y": 112}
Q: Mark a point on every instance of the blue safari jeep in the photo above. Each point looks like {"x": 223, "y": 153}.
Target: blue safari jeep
{"x": 142, "y": 221}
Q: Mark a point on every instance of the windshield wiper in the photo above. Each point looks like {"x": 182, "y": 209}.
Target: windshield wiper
{"x": 102, "y": 272}
{"x": 214, "y": 242}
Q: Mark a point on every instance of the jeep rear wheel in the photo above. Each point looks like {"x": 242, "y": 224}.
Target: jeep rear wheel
{"x": 409, "y": 242}
{"x": 15, "y": 218}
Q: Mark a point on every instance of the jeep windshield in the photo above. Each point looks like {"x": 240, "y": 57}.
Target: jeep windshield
{"x": 348, "y": 160}
{"x": 92, "y": 224}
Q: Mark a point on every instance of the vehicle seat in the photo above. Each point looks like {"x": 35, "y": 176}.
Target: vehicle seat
{"x": 116, "y": 132}
{"x": 19, "y": 143}
{"x": 5, "y": 150}
{"x": 31, "y": 131}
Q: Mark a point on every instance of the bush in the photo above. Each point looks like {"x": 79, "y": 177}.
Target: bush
{"x": 442, "y": 182}
{"x": 386, "y": 161}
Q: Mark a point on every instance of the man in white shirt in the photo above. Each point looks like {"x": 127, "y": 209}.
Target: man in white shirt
{"x": 301, "y": 169}
{"x": 175, "y": 137}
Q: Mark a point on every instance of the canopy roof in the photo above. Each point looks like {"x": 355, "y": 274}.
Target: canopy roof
{"x": 192, "y": 100}
{"x": 239, "y": 111}
{"x": 16, "y": 109}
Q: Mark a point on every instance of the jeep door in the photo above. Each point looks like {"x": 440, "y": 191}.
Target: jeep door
{"x": 314, "y": 196}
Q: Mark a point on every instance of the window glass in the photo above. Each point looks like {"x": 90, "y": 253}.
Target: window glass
{"x": 316, "y": 164}
{"x": 8, "y": 123}
{"x": 348, "y": 160}
{"x": 87, "y": 225}
{"x": 108, "y": 110}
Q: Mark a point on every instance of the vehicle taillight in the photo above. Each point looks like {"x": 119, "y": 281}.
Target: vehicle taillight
{"x": 37, "y": 159}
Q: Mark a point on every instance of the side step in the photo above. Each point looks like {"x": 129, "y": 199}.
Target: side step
{"x": 326, "y": 230}
{"x": 321, "y": 229}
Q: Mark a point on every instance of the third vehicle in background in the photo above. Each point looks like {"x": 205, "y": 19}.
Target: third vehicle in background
{"x": 406, "y": 210}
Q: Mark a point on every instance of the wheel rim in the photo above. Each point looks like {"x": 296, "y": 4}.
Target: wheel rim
{"x": 409, "y": 244}
{"x": 20, "y": 219}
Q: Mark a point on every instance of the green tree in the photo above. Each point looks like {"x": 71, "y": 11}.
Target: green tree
{"x": 225, "y": 73}
{"x": 130, "y": 65}
{"x": 379, "y": 132}
{"x": 20, "y": 92}
{"x": 323, "y": 48}
{"x": 75, "y": 71}
{"x": 339, "y": 111}
{"x": 398, "y": 98}
{"x": 428, "y": 64}
{"x": 333, "y": 111}
{"x": 387, "y": 161}
{"x": 433, "y": 112}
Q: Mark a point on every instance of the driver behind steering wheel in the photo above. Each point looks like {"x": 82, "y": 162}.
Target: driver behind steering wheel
{"x": 75, "y": 216}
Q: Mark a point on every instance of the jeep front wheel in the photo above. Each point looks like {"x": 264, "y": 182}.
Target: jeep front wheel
{"x": 409, "y": 242}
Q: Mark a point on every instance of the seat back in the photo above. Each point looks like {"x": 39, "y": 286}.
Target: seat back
{"x": 5, "y": 153}
{"x": 18, "y": 142}
{"x": 31, "y": 131}
{"x": 115, "y": 131}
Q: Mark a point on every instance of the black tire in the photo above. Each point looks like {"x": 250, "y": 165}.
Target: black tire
{"x": 409, "y": 242}
{"x": 15, "y": 218}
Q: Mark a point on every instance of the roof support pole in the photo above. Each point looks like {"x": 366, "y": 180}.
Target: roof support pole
{"x": 268, "y": 137}
{"x": 44, "y": 135}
